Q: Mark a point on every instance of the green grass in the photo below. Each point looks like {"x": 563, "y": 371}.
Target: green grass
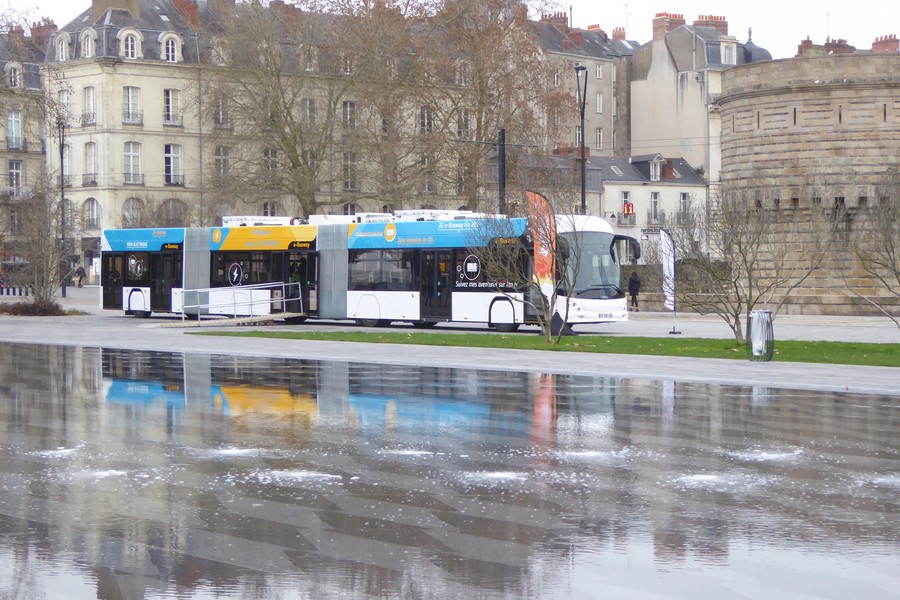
{"x": 884, "y": 355}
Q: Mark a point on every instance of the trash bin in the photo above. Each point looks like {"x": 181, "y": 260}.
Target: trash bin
{"x": 760, "y": 336}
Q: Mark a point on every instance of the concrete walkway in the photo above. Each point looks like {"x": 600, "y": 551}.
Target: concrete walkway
{"x": 113, "y": 329}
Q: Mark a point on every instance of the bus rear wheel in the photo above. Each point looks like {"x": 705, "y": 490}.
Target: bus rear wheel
{"x": 506, "y": 327}
{"x": 294, "y": 320}
{"x": 424, "y": 324}
{"x": 142, "y": 314}
{"x": 373, "y": 322}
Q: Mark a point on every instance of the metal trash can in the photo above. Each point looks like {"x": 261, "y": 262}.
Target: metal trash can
{"x": 760, "y": 336}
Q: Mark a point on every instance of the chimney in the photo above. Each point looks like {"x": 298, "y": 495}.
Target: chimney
{"x": 839, "y": 47}
{"x": 558, "y": 20}
{"x": 42, "y": 31}
{"x": 666, "y": 22}
{"x": 17, "y": 37}
{"x": 619, "y": 34}
{"x": 886, "y": 43}
{"x": 188, "y": 10}
{"x": 576, "y": 37}
{"x": 593, "y": 28}
{"x": 713, "y": 21}
{"x": 99, "y": 8}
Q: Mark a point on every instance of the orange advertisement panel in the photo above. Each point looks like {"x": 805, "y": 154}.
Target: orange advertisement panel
{"x": 542, "y": 223}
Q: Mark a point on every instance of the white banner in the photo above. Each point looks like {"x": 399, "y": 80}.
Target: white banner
{"x": 667, "y": 249}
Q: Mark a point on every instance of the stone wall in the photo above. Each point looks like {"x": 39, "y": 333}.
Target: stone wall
{"x": 812, "y": 133}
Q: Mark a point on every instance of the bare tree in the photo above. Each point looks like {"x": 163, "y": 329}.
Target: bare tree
{"x": 530, "y": 263}
{"x": 876, "y": 246}
{"x": 745, "y": 254}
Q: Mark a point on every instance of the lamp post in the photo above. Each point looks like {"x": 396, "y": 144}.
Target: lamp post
{"x": 61, "y": 128}
{"x": 581, "y": 97}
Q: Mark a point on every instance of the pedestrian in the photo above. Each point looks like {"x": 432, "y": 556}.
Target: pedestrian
{"x": 79, "y": 273}
{"x": 634, "y": 288}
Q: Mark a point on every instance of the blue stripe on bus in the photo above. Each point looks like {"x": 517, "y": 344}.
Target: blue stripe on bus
{"x": 124, "y": 240}
{"x": 421, "y": 234}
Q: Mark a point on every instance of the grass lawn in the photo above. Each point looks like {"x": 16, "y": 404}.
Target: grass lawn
{"x": 884, "y": 355}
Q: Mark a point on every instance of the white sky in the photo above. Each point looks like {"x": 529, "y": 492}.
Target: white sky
{"x": 777, "y": 26}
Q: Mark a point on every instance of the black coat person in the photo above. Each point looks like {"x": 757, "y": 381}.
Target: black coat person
{"x": 634, "y": 288}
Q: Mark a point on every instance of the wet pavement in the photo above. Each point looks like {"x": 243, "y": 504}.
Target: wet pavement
{"x": 144, "y": 474}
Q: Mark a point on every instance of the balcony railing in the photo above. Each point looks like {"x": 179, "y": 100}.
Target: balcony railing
{"x": 172, "y": 179}
{"x": 88, "y": 179}
{"x": 656, "y": 218}
{"x": 134, "y": 179}
{"x": 88, "y": 118}
{"x": 65, "y": 180}
{"x": 16, "y": 142}
{"x": 132, "y": 118}
{"x": 172, "y": 120}
{"x": 13, "y": 191}
{"x": 623, "y": 219}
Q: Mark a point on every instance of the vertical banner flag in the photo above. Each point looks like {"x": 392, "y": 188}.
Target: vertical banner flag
{"x": 667, "y": 250}
{"x": 543, "y": 227}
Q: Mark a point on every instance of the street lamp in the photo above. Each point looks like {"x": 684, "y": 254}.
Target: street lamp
{"x": 581, "y": 97}
{"x": 61, "y": 128}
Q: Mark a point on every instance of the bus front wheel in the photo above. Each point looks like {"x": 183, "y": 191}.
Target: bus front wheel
{"x": 424, "y": 324}
{"x": 506, "y": 327}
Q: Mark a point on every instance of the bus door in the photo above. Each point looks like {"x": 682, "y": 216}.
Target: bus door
{"x": 303, "y": 270}
{"x": 165, "y": 274}
{"x": 434, "y": 284}
{"x": 111, "y": 268}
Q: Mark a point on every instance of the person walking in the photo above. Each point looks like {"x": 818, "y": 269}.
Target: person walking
{"x": 634, "y": 288}
{"x": 80, "y": 274}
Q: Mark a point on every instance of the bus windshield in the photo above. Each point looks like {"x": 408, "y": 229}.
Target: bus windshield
{"x": 592, "y": 268}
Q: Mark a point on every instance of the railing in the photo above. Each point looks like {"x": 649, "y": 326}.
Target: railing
{"x": 132, "y": 118}
{"x": 172, "y": 120}
{"x": 88, "y": 179}
{"x": 134, "y": 179}
{"x": 88, "y": 118}
{"x": 172, "y": 179}
{"x": 624, "y": 219}
{"x": 242, "y": 300}
{"x": 65, "y": 180}
{"x": 16, "y": 142}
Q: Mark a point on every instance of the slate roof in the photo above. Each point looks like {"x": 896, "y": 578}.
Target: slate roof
{"x": 24, "y": 53}
{"x": 157, "y": 16}
{"x": 595, "y": 43}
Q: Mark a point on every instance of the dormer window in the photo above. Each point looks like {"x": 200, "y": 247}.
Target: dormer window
{"x": 130, "y": 47}
{"x": 170, "y": 51}
{"x": 655, "y": 170}
{"x": 728, "y": 49}
{"x": 87, "y": 47}
{"x": 62, "y": 49}
{"x": 130, "y": 44}
{"x": 13, "y": 77}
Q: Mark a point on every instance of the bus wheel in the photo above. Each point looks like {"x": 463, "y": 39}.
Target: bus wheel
{"x": 142, "y": 314}
{"x": 424, "y": 324}
{"x": 506, "y": 327}
{"x": 370, "y": 322}
{"x": 294, "y": 320}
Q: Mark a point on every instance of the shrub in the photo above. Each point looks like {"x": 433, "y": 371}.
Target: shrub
{"x": 32, "y": 309}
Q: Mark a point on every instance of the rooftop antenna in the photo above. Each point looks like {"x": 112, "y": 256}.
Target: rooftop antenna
{"x": 626, "y": 20}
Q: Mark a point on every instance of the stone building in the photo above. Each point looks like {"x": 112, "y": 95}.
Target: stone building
{"x": 676, "y": 80}
{"x": 818, "y": 133}
{"x": 22, "y": 151}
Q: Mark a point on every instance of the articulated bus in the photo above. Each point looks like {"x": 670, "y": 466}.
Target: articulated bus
{"x": 413, "y": 266}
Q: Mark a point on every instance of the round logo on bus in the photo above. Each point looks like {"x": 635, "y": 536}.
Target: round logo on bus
{"x": 217, "y": 235}
{"x": 390, "y": 232}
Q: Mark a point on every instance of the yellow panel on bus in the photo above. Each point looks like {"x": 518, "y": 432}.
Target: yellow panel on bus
{"x": 240, "y": 400}
{"x": 275, "y": 237}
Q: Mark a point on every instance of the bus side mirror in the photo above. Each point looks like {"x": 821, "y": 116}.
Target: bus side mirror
{"x": 635, "y": 245}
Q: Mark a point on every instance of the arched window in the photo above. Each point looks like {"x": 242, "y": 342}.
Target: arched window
{"x": 349, "y": 208}
{"x": 62, "y": 49}
{"x": 387, "y": 208}
{"x": 87, "y": 46}
{"x": 130, "y": 46}
{"x": 132, "y": 212}
{"x": 174, "y": 213}
{"x": 13, "y": 78}
{"x": 170, "y": 50}
{"x": 271, "y": 209}
{"x": 90, "y": 213}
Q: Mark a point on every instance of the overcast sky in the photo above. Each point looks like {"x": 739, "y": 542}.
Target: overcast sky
{"x": 777, "y": 26}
